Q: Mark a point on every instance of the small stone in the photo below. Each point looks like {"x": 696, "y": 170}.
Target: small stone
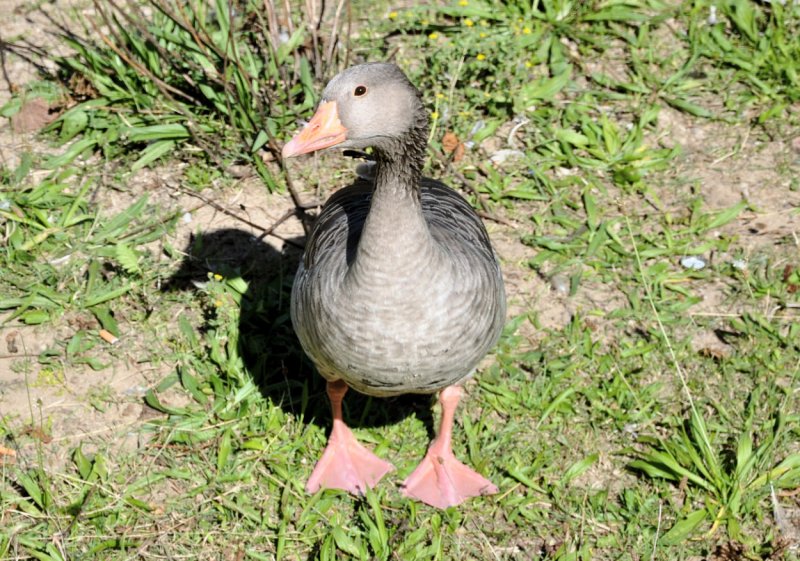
{"x": 135, "y": 391}
{"x": 560, "y": 284}
{"x": 712, "y": 15}
{"x": 239, "y": 171}
{"x": 502, "y": 156}
{"x": 693, "y": 262}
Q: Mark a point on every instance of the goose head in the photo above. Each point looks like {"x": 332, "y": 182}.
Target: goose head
{"x": 371, "y": 104}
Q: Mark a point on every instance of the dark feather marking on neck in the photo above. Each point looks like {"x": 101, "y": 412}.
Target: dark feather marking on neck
{"x": 402, "y": 158}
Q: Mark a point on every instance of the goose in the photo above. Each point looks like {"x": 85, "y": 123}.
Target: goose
{"x": 399, "y": 289}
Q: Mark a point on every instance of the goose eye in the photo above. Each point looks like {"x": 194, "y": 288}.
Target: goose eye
{"x": 360, "y": 90}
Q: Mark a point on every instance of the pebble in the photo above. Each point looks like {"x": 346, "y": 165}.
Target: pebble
{"x": 560, "y": 284}
{"x": 693, "y": 262}
{"x": 502, "y": 156}
{"x": 136, "y": 391}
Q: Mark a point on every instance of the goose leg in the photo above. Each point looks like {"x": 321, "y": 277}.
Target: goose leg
{"x": 345, "y": 464}
{"x": 441, "y": 480}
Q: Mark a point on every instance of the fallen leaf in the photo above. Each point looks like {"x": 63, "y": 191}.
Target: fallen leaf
{"x": 11, "y": 342}
{"x": 7, "y": 456}
{"x": 37, "y": 433}
{"x": 82, "y": 87}
{"x": 32, "y": 116}
{"x": 717, "y": 353}
{"x": 452, "y": 145}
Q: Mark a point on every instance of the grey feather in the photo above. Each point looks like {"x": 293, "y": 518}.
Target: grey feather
{"x": 399, "y": 290}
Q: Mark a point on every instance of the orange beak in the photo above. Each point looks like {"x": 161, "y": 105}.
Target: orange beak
{"x": 322, "y": 131}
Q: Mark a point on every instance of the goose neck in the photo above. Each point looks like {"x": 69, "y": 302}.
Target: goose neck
{"x": 395, "y": 234}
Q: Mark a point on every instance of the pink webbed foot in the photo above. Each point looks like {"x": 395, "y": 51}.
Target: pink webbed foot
{"x": 345, "y": 464}
{"x": 441, "y": 480}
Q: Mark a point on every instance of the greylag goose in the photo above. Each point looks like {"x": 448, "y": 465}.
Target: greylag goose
{"x": 399, "y": 290}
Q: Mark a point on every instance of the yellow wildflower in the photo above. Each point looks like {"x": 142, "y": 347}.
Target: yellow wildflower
{"x": 433, "y": 35}
{"x": 482, "y": 35}
{"x": 392, "y": 15}
{"x": 481, "y": 56}
{"x": 468, "y": 22}
{"x": 218, "y": 303}
{"x": 435, "y": 115}
{"x": 439, "y": 95}
{"x": 463, "y": 3}
{"x": 526, "y": 30}
{"x": 217, "y": 277}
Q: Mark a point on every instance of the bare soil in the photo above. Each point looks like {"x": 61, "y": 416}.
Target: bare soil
{"x": 63, "y": 407}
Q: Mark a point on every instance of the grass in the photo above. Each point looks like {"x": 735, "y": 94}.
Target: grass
{"x": 614, "y": 431}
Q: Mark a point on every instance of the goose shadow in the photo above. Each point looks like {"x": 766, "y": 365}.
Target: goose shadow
{"x": 270, "y": 351}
